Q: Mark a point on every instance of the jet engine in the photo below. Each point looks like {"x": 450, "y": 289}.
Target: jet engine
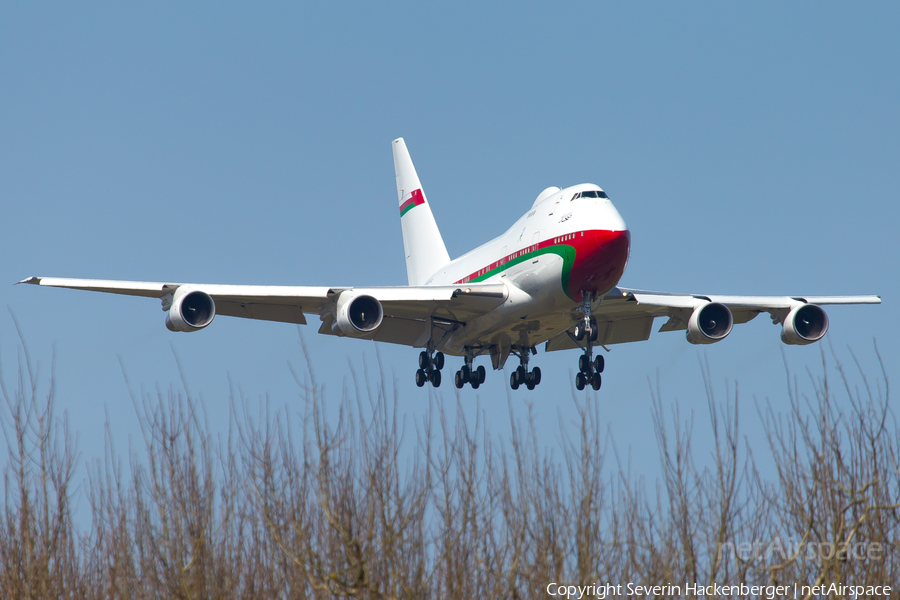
{"x": 709, "y": 323}
{"x": 357, "y": 314}
{"x": 805, "y": 324}
{"x": 191, "y": 310}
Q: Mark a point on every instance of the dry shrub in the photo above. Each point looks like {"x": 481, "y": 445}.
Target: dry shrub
{"x": 374, "y": 504}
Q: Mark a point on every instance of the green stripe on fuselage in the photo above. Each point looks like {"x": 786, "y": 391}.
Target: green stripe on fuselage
{"x": 564, "y": 251}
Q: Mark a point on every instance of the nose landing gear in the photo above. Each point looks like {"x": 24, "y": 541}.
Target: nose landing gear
{"x": 589, "y": 368}
{"x": 590, "y": 375}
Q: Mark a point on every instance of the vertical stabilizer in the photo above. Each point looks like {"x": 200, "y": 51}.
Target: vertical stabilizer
{"x": 422, "y": 242}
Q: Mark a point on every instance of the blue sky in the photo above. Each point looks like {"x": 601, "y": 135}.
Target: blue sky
{"x": 750, "y": 149}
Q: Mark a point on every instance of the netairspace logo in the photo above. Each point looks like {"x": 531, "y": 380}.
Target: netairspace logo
{"x": 784, "y": 550}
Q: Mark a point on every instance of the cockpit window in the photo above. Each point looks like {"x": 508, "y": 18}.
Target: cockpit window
{"x": 590, "y": 194}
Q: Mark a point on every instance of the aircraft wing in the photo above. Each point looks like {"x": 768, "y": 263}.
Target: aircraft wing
{"x": 627, "y": 315}
{"x": 406, "y": 309}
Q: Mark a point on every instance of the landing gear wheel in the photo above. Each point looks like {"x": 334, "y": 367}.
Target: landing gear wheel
{"x": 481, "y": 373}
{"x": 523, "y": 375}
{"x": 580, "y": 381}
{"x": 436, "y": 378}
{"x": 466, "y": 374}
{"x": 596, "y": 380}
{"x": 439, "y": 361}
{"x": 599, "y": 363}
{"x": 579, "y": 332}
{"x": 594, "y": 330}
{"x": 420, "y": 377}
{"x": 424, "y": 360}
{"x": 584, "y": 363}
{"x": 458, "y": 380}
{"x": 475, "y": 385}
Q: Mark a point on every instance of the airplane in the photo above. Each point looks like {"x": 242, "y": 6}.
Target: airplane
{"x": 550, "y": 279}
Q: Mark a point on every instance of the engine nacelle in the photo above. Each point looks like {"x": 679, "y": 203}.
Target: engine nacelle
{"x": 357, "y": 314}
{"x": 191, "y": 310}
{"x": 709, "y": 323}
{"x": 805, "y": 324}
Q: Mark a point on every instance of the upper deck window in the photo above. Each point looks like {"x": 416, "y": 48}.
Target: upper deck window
{"x": 590, "y": 194}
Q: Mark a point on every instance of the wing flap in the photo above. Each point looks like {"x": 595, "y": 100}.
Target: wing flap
{"x": 263, "y": 311}
{"x": 406, "y": 332}
{"x": 624, "y": 330}
{"x": 560, "y": 341}
{"x": 610, "y": 332}
{"x": 393, "y": 330}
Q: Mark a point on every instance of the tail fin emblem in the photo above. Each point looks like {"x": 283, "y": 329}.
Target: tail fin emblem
{"x": 415, "y": 200}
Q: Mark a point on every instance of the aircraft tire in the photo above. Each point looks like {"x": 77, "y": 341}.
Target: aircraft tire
{"x": 579, "y": 332}
{"x": 482, "y": 374}
{"x": 436, "y": 378}
{"x": 420, "y": 377}
{"x": 599, "y": 363}
{"x": 424, "y": 360}
{"x": 514, "y": 380}
{"x": 466, "y": 374}
{"x": 439, "y": 361}
{"x": 584, "y": 364}
{"x": 458, "y": 380}
{"x": 475, "y": 385}
{"x": 536, "y": 373}
{"x": 521, "y": 374}
{"x": 580, "y": 381}
{"x": 596, "y": 381}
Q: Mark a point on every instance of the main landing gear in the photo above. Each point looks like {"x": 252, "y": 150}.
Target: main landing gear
{"x": 589, "y": 372}
{"x": 522, "y": 376}
{"x": 589, "y": 368}
{"x": 469, "y": 374}
{"x": 430, "y": 368}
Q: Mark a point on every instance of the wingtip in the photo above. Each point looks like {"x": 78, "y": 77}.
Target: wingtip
{"x": 32, "y": 280}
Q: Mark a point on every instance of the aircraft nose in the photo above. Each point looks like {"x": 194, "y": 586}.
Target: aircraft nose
{"x": 605, "y": 239}
{"x": 600, "y": 267}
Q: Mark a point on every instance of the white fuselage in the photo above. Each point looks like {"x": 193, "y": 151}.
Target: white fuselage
{"x": 549, "y": 246}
